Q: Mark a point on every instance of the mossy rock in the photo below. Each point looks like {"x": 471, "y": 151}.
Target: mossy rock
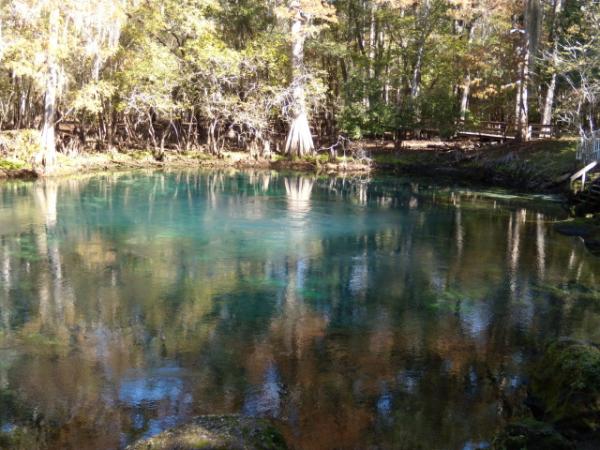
{"x": 566, "y": 383}
{"x": 20, "y": 438}
{"x": 530, "y": 434}
{"x": 588, "y": 229}
{"x": 217, "y": 433}
{"x": 576, "y": 227}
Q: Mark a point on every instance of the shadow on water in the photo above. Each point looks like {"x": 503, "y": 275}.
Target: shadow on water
{"x": 357, "y": 313}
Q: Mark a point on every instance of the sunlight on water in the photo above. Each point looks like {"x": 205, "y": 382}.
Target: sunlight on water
{"x": 358, "y": 313}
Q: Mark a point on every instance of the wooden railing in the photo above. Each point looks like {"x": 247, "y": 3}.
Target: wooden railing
{"x": 539, "y": 131}
{"x": 583, "y": 174}
{"x": 505, "y": 130}
{"x": 486, "y": 129}
{"x": 589, "y": 148}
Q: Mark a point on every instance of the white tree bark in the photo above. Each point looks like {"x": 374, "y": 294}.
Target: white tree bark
{"x": 415, "y": 87}
{"x": 1, "y": 42}
{"x": 530, "y": 40}
{"x": 549, "y": 101}
{"x": 464, "y": 101}
{"x": 47, "y": 156}
{"x": 518, "y": 97}
{"x": 372, "y": 41}
{"x": 423, "y": 17}
{"x": 371, "y": 55}
{"x": 299, "y": 141}
{"x": 521, "y": 100}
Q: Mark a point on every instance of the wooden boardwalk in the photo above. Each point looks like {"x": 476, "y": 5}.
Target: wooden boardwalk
{"x": 589, "y": 148}
{"x": 503, "y": 131}
{"x": 587, "y": 194}
{"x": 588, "y": 200}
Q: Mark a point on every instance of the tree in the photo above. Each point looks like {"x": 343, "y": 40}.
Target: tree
{"x": 527, "y": 30}
{"x": 553, "y": 57}
{"x": 299, "y": 140}
{"x": 63, "y": 36}
{"x": 47, "y": 154}
{"x": 578, "y": 64}
{"x": 206, "y": 74}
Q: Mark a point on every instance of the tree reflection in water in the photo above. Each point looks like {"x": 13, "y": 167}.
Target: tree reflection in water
{"x": 357, "y": 313}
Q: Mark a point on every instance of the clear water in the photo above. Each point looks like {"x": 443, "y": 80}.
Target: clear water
{"x": 358, "y": 313}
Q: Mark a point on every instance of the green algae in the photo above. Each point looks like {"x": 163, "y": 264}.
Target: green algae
{"x": 566, "y": 381}
{"x": 229, "y": 432}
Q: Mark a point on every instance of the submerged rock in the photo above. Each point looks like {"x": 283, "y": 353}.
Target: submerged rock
{"x": 217, "y": 433}
{"x": 531, "y": 435}
{"x": 586, "y": 229}
{"x": 566, "y": 384}
{"x": 563, "y": 402}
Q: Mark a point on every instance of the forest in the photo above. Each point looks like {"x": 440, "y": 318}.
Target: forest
{"x": 290, "y": 77}
{"x": 299, "y": 224}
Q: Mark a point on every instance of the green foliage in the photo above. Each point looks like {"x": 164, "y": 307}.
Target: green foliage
{"x": 358, "y": 120}
{"x": 11, "y": 165}
{"x": 353, "y": 120}
{"x": 189, "y": 71}
{"x": 567, "y": 382}
{"x": 89, "y": 99}
{"x": 18, "y": 147}
{"x": 441, "y": 110}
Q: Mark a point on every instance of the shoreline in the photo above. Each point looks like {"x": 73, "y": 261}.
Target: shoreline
{"x": 506, "y": 166}
{"x": 540, "y": 167}
{"x": 103, "y": 162}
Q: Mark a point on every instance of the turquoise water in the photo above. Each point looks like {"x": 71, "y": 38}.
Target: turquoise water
{"x": 358, "y": 313}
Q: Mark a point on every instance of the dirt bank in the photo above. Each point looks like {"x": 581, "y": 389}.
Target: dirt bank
{"x": 534, "y": 167}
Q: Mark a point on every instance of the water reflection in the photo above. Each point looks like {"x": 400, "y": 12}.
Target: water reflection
{"x": 298, "y": 190}
{"x": 356, "y": 312}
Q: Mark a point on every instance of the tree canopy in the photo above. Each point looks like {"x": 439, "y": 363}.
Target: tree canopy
{"x": 208, "y": 73}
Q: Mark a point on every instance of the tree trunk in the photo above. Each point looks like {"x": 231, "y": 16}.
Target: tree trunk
{"x": 530, "y": 42}
{"x": 2, "y": 45}
{"x": 464, "y": 101}
{"x": 370, "y": 56}
{"x": 522, "y": 83}
{"x": 47, "y": 155}
{"x": 299, "y": 141}
{"x": 518, "y": 100}
{"x": 523, "y": 104}
{"x": 213, "y": 145}
{"x": 549, "y": 102}
{"x": 421, "y": 22}
{"x": 415, "y": 86}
